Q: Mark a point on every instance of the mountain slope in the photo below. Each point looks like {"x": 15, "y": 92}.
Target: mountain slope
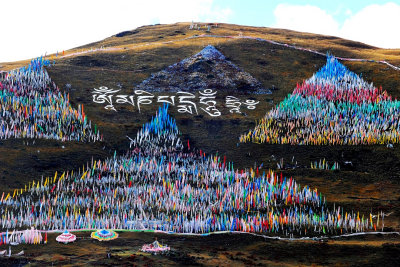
{"x": 368, "y": 179}
{"x": 122, "y": 63}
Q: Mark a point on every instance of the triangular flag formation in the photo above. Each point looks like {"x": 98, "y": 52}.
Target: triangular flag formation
{"x": 334, "y": 107}
{"x": 158, "y": 185}
{"x": 32, "y": 106}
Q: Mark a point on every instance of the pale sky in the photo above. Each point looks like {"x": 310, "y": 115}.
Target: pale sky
{"x": 32, "y": 28}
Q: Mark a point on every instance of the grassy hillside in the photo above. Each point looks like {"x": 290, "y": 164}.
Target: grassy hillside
{"x": 372, "y": 181}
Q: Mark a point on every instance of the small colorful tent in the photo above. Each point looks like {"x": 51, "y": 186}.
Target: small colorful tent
{"x": 104, "y": 235}
{"x": 66, "y": 237}
{"x": 155, "y": 247}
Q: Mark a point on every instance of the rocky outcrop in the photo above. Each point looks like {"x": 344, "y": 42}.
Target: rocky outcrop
{"x": 208, "y": 69}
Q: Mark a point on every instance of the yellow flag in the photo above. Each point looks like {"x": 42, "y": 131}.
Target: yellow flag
{"x": 62, "y": 176}
{"x": 83, "y": 175}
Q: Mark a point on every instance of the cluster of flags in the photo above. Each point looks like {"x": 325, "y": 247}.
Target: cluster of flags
{"x": 160, "y": 184}
{"x": 334, "y": 107}
{"x": 29, "y": 236}
{"x": 32, "y": 106}
{"x": 324, "y": 165}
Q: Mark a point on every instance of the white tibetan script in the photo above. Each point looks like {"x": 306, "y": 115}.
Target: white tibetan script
{"x": 185, "y": 102}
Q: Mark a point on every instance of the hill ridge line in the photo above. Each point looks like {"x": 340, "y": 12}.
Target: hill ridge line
{"x": 243, "y": 37}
